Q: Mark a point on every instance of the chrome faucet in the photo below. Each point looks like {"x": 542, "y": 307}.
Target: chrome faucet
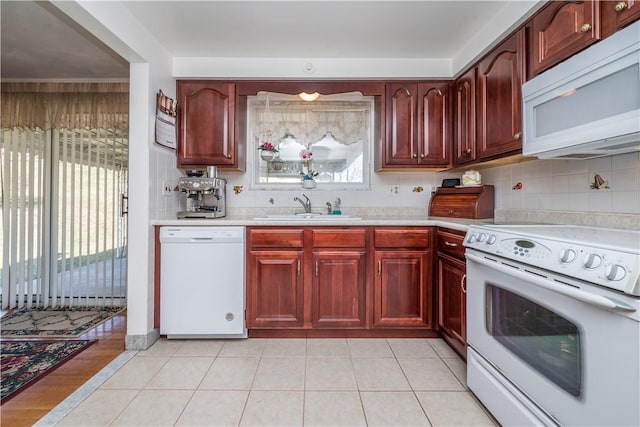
{"x": 306, "y": 204}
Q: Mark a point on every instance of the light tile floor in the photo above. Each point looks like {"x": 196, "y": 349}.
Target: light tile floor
{"x": 286, "y": 382}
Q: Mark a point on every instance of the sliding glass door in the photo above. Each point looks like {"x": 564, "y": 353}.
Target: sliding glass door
{"x": 64, "y": 223}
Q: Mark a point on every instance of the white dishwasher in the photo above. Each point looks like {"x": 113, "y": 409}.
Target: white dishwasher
{"x": 202, "y": 282}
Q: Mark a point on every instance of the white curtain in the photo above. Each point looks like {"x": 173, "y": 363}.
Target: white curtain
{"x": 309, "y": 122}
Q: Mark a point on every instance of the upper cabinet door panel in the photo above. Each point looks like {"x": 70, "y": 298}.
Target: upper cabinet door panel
{"x": 562, "y": 29}
{"x": 206, "y": 124}
{"x": 500, "y": 76}
{"x": 434, "y": 124}
{"x": 465, "y": 118}
{"x": 617, "y": 14}
{"x": 400, "y": 147}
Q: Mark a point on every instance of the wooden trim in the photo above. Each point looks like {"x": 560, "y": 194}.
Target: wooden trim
{"x": 343, "y": 333}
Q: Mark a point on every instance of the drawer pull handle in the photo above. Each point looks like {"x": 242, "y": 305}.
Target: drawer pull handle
{"x": 379, "y": 268}
{"x": 463, "y": 285}
{"x": 316, "y": 268}
{"x": 468, "y": 151}
{"x": 453, "y": 245}
{"x": 620, "y": 6}
{"x": 298, "y": 267}
{"x": 586, "y": 28}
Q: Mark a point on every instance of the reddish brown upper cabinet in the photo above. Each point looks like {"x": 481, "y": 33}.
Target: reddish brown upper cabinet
{"x": 499, "y": 102}
{"x": 418, "y": 125}
{"x": 616, "y": 15}
{"x": 206, "y": 126}
{"x": 561, "y": 29}
{"x": 464, "y": 132}
{"x": 402, "y": 294}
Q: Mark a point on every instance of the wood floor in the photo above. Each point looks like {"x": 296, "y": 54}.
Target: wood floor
{"x": 28, "y": 406}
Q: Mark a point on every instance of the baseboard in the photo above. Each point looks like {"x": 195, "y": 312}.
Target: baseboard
{"x": 141, "y": 342}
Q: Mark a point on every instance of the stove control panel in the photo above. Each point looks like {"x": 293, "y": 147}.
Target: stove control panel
{"x": 615, "y": 269}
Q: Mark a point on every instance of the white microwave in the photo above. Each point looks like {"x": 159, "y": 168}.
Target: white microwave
{"x": 589, "y": 105}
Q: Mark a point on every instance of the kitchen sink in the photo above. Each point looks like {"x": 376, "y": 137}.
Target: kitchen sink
{"x": 306, "y": 217}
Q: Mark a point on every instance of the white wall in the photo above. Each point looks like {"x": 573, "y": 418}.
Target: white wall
{"x": 150, "y": 70}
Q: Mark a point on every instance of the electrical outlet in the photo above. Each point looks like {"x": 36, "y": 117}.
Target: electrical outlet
{"x": 394, "y": 190}
{"x": 166, "y": 189}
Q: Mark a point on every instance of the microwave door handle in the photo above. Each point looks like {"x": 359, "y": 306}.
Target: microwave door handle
{"x": 597, "y": 300}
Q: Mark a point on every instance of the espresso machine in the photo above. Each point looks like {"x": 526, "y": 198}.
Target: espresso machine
{"x": 205, "y": 195}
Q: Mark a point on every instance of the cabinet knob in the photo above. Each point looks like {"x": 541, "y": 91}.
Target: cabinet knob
{"x": 422, "y": 156}
{"x": 620, "y": 6}
{"x": 468, "y": 151}
{"x": 414, "y": 155}
{"x": 517, "y": 135}
{"x": 586, "y": 28}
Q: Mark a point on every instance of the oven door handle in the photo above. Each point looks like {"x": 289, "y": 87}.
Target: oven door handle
{"x": 597, "y": 300}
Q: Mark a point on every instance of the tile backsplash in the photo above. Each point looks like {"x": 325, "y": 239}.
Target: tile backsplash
{"x": 565, "y": 186}
{"x": 569, "y": 185}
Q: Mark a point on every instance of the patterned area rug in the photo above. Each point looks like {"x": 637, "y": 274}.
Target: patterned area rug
{"x": 54, "y": 322}
{"x": 24, "y": 362}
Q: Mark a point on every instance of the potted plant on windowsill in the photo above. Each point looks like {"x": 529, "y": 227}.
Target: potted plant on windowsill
{"x": 267, "y": 151}
{"x": 308, "y": 174}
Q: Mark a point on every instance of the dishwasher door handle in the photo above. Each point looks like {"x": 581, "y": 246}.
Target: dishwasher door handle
{"x": 202, "y": 239}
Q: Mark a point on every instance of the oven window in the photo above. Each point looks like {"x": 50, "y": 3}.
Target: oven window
{"x": 546, "y": 341}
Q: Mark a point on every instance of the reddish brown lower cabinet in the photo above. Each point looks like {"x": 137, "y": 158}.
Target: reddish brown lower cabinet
{"x": 340, "y": 281}
{"x": 338, "y": 288}
{"x": 275, "y": 293}
{"x": 401, "y": 296}
{"x": 275, "y": 284}
{"x": 452, "y": 301}
{"x": 402, "y": 292}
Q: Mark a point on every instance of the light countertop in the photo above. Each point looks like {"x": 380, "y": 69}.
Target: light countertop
{"x": 381, "y": 221}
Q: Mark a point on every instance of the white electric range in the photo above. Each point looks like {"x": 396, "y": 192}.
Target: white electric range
{"x": 553, "y": 315}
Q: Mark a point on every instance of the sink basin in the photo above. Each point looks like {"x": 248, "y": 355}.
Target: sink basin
{"x": 306, "y": 217}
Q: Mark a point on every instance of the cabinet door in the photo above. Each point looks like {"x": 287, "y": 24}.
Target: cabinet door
{"x": 617, "y": 14}
{"x": 206, "y": 124}
{"x": 434, "y": 124}
{"x": 562, "y": 29}
{"x": 338, "y": 289}
{"x": 452, "y": 302}
{"x": 464, "y": 131}
{"x": 500, "y": 98}
{"x": 402, "y": 292}
{"x": 275, "y": 289}
{"x": 401, "y": 109}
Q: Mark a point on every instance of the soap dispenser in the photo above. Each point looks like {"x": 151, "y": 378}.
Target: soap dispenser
{"x": 336, "y": 206}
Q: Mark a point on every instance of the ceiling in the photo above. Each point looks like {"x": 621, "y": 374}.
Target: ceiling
{"x": 61, "y": 49}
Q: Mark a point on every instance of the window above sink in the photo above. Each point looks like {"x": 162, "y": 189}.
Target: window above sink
{"x": 338, "y": 129}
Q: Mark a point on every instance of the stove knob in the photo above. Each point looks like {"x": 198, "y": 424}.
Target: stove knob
{"x": 472, "y": 238}
{"x": 615, "y": 272}
{"x": 567, "y": 255}
{"x": 592, "y": 261}
{"x": 481, "y": 237}
{"x": 196, "y": 184}
{"x": 491, "y": 240}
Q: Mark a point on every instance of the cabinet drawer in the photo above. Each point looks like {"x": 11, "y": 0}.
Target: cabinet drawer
{"x": 402, "y": 238}
{"x": 451, "y": 244}
{"x": 339, "y": 238}
{"x": 275, "y": 238}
